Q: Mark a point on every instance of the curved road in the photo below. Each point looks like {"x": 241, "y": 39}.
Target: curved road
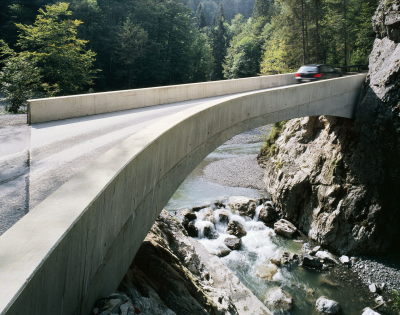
{"x": 36, "y": 160}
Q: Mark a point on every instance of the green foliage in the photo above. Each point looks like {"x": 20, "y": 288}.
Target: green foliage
{"x": 269, "y": 147}
{"x": 20, "y": 79}
{"x": 244, "y": 53}
{"x": 395, "y": 297}
{"x": 219, "y": 43}
{"x": 52, "y": 43}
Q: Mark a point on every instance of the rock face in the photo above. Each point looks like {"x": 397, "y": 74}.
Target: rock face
{"x": 174, "y": 274}
{"x": 278, "y": 300}
{"x": 336, "y": 179}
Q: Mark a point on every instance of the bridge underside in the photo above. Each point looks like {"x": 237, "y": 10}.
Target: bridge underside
{"x": 77, "y": 244}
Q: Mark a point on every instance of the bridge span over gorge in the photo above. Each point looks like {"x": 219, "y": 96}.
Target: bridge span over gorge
{"x": 75, "y": 245}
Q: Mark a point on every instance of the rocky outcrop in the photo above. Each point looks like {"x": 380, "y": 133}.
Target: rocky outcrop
{"x": 174, "y": 274}
{"x": 336, "y": 179}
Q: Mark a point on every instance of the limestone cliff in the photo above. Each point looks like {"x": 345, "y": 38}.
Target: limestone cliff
{"x": 338, "y": 180}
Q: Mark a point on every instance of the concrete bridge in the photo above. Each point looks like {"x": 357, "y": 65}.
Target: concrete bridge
{"x": 76, "y": 244}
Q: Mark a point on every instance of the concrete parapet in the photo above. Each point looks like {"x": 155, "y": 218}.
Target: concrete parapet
{"x": 56, "y": 108}
{"x": 76, "y": 245}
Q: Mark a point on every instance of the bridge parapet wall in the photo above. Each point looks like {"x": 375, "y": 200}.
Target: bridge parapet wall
{"x": 56, "y": 108}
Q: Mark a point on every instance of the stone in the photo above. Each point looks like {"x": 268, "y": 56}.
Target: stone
{"x": 327, "y": 306}
{"x": 188, "y": 215}
{"x": 326, "y": 257}
{"x": 198, "y": 208}
{"x": 233, "y": 243}
{"x": 369, "y": 311}
{"x": 345, "y": 260}
{"x": 267, "y": 271}
{"x": 223, "y": 216}
{"x": 372, "y": 288}
{"x": 311, "y": 262}
{"x": 236, "y": 228}
{"x": 379, "y": 300}
{"x": 268, "y": 215}
{"x": 243, "y": 205}
{"x": 278, "y": 300}
{"x": 315, "y": 250}
{"x": 222, "y": 252}
{"x": 285, "y": 228}
{"x": 191, "y": 229}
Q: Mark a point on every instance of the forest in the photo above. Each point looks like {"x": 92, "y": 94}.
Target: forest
{"x": 50, "y": 48}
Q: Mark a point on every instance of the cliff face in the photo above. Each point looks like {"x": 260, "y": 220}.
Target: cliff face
{"x": 338, "y": 180}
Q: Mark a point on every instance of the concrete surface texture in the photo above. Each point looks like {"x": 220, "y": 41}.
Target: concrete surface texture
{"x": 76, "y": 244}
{"x": 56, "y": 108}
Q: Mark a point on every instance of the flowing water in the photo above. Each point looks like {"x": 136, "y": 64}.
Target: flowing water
{"x": 260, "y": 244}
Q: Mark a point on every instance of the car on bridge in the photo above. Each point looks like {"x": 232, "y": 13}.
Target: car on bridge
{"x": 314, "y": 72}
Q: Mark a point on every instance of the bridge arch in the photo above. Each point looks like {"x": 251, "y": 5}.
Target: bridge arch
{"x": 77, "y": 244}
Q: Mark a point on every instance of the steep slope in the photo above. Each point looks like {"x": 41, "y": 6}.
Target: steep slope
{"x": 338, "y": 180}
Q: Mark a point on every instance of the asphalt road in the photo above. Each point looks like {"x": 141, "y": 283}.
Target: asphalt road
{"x": 36, "y": 160}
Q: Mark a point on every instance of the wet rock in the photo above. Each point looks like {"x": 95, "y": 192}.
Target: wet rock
{"x": 379, "y": 300}
{"x": 369, "y": 311}
{"x": 236, "y": 228}
{"x": 188, "y": 215}
{"x": 243, "y": 205}
{"x": 311, "y": 262}
{"x": 278, "y": 300}
{"x": 223, "y": 216}
{"x": 190, "y": 228}
{"x": 222, "y": 252}
{"x": 207, "y": 214}
{"x": 345, "y": 260}
{"x": 287, "y": 258}
{"x": 327, "y": 306}
{"x": 233, "y": 243}
{"x": 285, "y": 228}
{"x": 315, "y": 250}
{"x": 268, "y": 215}
{"x": 198, "y": 208}
{"x": 266, "y": 272}
{"x": 326, "y": 257}
{"x": 206, "y": 229}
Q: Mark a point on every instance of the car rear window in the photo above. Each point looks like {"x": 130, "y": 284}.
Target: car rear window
{"x": 308, "y": 69}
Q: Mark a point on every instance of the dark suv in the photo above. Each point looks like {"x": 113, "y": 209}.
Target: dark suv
{"x": 309, "y": 73}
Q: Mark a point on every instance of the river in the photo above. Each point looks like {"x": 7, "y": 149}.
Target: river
{"x": 232, "y": 170}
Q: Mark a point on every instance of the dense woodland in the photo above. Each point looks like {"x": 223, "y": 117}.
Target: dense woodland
{"x": 76, "y": 46}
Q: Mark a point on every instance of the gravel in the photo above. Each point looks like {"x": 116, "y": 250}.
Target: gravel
{"x": 12, "y": 120}
{"x": 372, "y": 271}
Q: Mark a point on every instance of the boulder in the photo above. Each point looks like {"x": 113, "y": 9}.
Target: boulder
{"x": 326, "y": 257}
{"x": 190, "y": 228}
{"x": 369, "y": 311}
{"x": 243, "y": 205}
{"x": 233, "y": 243}
{"x": 222, "y": 252}
{"x": 189, "y": 215}
{"x": 198, "y": 208}
{"x": 278, "y": 300}
{"x": 285, "y": 228}
{"x": 268, "y": 215}
{"x": 236, "y": 228}
{"x": 311, "y": 262}
{"x": 315, "y": 250}
{"x": 207, "y": 214}
{"x": 345, "y": 260}
{"x": 267, "y": 271}
{"x": 373, "y": 288}
{"x": 327, "y": 306}
{"x": 223, "y": 216}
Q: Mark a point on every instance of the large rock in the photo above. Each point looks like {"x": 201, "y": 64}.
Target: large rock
{"x": 236, "y": 228}
{"x": 267, "y": 271}
{"x": 327, "y": 306}
{"x": 278, "y": 300}
{"x": 337, "y": 179}
{"x": 243, "y": 205}
{"x": 311, "y": 262}
{"x": 268, "y": 215}
{"x": 233, "y": 243}
{"x": 285, "y": 228}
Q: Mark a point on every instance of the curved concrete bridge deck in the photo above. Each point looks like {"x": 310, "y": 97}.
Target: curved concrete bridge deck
{"x": 78, "y": 242}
